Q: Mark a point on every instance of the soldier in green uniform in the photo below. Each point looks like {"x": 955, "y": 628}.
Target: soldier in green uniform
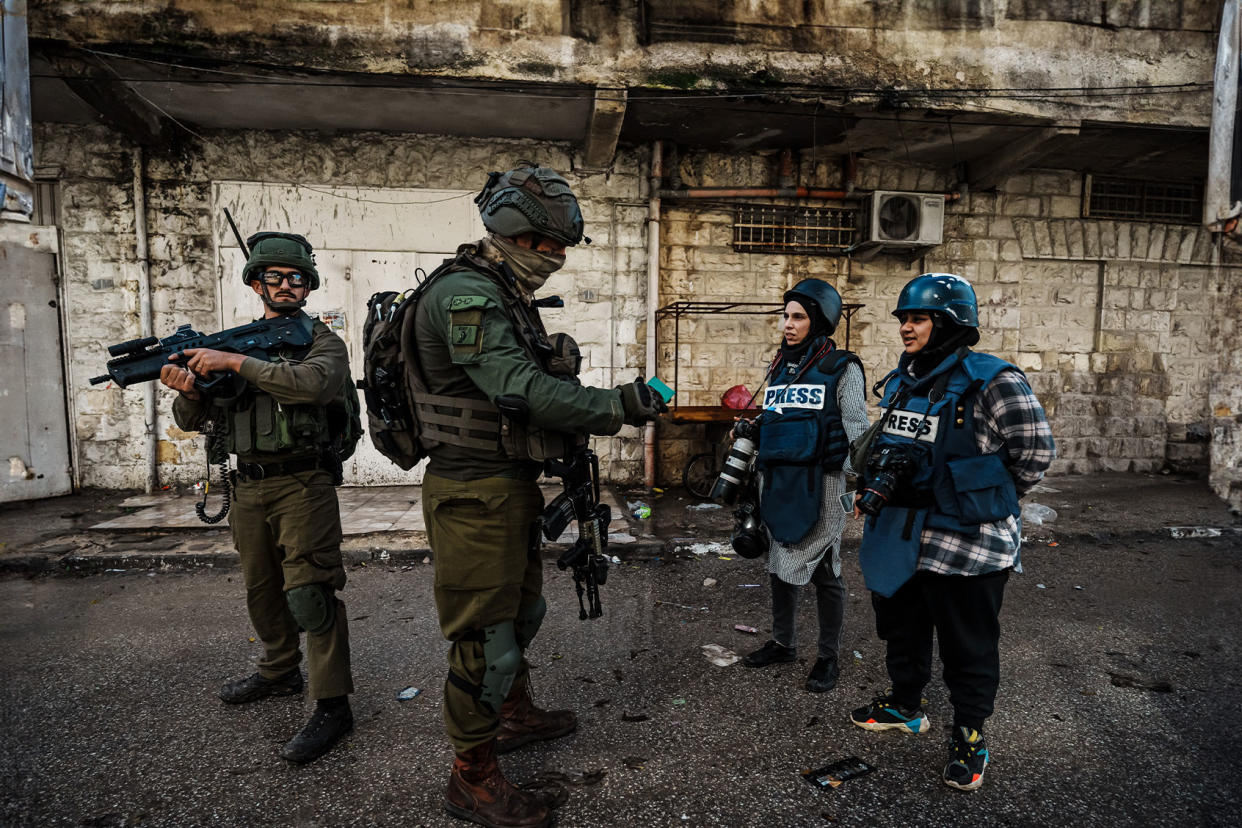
{"x": 479, "y": 341}
{"x": 285, "y": 426}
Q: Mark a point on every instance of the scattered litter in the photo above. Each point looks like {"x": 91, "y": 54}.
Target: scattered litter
{"x": 657, "y": 491}
{"x": 680, "y": 606}
{"x": 1036, "y": 514}
{"x": 639, "y": 509}
{"x": 408, "y": 693}
{"x": 114, "y": 570}
{"x": 637, "y": 717}
{"x": 858, "y": 655}
{"x": 843, "y": 770}
{"x": 747, "y": 586}
{"x": 745, "y": 629}
{"x": 557, "y": 656}
{"x": 702, "y": 548}
{"x": 426, "y": 559}
{"x": 621, "y": 537}
{"x": 679, "y": 701}
{"x": 719, "y": 656}
{"x": 1041, "y": 488}
{"x": 1054, "y": 543}
{"x": 709, "y": 582}
{"x": 634, "y": 762}
{"x": 1194, "y": 531}
{"x": 702, "y": 507}
{"x": 615, "y": 560}
{"x": 1076, "y": 586}
{"x": 1040, "y": 586}
{"x": 724, "y": 557}
{"x": 251, "y": 639}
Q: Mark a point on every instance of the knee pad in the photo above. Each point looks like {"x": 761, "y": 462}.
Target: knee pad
{"x": 502, "y": 657}
{"x": 313, "y": 606}
{"x": 530, "y": 616}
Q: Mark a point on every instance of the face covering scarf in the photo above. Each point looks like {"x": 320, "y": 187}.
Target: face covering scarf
{"x": 531, "y": 267}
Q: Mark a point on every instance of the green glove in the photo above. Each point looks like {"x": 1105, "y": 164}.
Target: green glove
{"x": 639, "y": 402}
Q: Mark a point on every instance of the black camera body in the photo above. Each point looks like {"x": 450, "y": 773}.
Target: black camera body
{"x": 748, "y": 539}
{"x": 888, "y": 469}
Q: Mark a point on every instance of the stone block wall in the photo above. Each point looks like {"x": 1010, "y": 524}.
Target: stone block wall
{"x": 603, "y": 284}
{"x": 1125, "y": 329}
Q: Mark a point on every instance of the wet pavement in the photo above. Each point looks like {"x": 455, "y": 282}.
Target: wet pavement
{"x": 1120, "y": 659}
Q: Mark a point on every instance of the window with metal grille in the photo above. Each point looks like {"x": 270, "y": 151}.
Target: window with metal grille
{"x": 807, "y": 231}
{"x": 1177, "y": 202}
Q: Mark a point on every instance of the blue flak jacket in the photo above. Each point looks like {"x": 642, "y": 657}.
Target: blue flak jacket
{"x": 955, "y": 487}
{"x": 800, "y": 438}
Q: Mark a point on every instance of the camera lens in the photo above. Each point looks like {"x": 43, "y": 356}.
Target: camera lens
{"x": 736, "y": 471}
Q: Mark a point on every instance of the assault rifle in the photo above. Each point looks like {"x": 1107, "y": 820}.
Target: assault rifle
{"x": 140, "y": 360}
{"x": 579, "y": 500}
{"x": 579, "y": 474}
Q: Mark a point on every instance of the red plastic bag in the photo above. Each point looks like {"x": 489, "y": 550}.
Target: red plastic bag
{"x": 736, "y": 397}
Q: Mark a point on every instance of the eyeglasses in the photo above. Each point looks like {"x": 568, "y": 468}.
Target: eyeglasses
{"x": 273, "y": 278}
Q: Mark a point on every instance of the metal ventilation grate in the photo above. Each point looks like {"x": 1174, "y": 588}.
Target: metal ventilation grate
{"x": 807, "y": 231}
{"x": 1178, "y": 202}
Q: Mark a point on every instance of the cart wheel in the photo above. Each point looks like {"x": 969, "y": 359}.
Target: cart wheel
{"x": 700, "y": 474}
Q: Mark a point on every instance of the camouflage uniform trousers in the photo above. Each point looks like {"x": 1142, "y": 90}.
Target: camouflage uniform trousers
{"x": 287, "y": 530}
{"x": 486, "y": 569}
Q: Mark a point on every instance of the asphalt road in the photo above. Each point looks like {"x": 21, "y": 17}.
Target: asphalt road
{"x": 1118, "y": 706}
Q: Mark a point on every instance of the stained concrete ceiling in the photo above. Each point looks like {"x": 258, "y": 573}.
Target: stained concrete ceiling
{"x": 148, "y": 98}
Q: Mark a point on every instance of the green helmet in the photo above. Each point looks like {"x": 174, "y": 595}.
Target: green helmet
{"x": 531, "y": 199}
{"x": 283, "y": 250}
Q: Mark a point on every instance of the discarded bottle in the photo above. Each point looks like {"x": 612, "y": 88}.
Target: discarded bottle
{"x": 1035, "y": 514}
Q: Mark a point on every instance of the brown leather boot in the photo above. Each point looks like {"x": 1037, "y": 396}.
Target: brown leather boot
{"x": 522, "y": 722}
{"x": 478, "y": 792}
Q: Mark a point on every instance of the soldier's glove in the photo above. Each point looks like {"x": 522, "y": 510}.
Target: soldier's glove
{"x": 639, "y": 402}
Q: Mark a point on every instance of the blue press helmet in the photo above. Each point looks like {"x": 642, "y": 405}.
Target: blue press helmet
{"x": 824, "y": 296}
{"x": 946, "y": 293}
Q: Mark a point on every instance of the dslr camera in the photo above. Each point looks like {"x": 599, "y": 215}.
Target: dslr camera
{"x": 739, "y": 465}
{"x": 888, "y": 469}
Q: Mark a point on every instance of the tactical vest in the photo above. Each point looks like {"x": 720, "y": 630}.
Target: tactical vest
{"x": 800, "y": 438}
{"x": 255, "y": 423}
{"x": 954, "y": 487}
{"x": 475, "y": 422}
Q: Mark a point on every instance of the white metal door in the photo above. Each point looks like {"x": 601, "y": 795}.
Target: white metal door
{"x": 34, "y": 429}
{"x": 366, "y": 241}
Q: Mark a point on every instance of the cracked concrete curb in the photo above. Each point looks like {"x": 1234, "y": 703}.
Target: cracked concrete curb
{"x": 75, "y": 564}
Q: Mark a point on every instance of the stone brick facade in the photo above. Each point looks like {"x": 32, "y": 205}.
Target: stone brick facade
{"x": 603, "y": 284}
{"x": 1126, "y": 330}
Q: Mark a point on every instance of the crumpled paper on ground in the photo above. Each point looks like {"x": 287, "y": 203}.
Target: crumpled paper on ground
{"x": 720, "y": 656}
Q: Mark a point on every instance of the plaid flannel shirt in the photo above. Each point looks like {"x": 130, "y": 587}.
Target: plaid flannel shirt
{"x": 1008, "y": 419}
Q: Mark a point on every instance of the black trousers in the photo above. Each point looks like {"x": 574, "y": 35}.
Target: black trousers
{"x": 964, "y": 613}
{"x": 830, "y": 604}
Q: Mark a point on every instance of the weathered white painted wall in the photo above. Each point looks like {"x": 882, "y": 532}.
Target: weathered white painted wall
{"x": 602, "y": 283}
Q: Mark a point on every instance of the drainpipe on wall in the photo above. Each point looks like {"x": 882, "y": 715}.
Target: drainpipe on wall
{"x": 144, "y": 313}
{"x": 653, "y": 299}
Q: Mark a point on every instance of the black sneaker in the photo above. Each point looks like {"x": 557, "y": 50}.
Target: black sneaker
{"x": 823, "y": 676}
{"x": 969, "y": 760}
{"x": 770, "y": 653}
{"x": 884, "y": 714}
{"x": 253, "y": 688}
{"x": 326, "y": 727}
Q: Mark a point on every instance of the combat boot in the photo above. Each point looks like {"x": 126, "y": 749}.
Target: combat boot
{"x": 521, "y": 722}
{"x": 331, "y": 720}
{"x": 255, "y": 687}
{"x": 478, "y": 792}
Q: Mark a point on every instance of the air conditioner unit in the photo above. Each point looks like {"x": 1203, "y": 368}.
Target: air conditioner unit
{"x": 894, "y": 222}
